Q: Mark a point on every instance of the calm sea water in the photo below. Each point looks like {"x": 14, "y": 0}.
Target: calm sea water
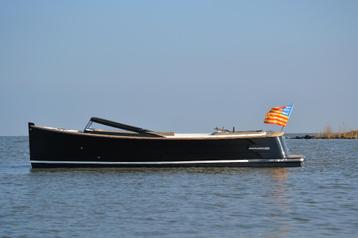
{"x": 320, "y": 199}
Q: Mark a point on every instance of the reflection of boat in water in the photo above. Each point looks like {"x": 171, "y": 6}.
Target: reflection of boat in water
{"x": 137, "y": 147}
{"x": 279, "y": 174}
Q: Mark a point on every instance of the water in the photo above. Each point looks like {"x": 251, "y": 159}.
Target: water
{"x": 320, "y": 199}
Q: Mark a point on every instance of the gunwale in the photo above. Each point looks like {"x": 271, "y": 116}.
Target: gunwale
{"x": 169, "y": 138}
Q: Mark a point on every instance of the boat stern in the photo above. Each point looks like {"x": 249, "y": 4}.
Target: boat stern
{"x": 295, "y": 160}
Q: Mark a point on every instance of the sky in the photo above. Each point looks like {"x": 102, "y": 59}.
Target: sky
{"x": 186, "y": 66}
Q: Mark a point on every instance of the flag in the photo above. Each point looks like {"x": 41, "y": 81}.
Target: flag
{"x": 278, "y": 115}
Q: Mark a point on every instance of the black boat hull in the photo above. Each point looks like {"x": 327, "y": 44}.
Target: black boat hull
{"x": 61, "y": 148}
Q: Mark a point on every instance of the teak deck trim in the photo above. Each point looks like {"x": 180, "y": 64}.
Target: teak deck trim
{"x": 209, "y": 137}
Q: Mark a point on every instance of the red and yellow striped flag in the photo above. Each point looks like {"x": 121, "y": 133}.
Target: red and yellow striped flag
{"x": 279, "y": 115}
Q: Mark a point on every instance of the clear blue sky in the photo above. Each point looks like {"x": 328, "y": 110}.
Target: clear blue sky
{"x": 178, "y": 65}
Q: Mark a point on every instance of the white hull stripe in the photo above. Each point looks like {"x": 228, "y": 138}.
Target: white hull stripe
{"x": 168, "y": 162}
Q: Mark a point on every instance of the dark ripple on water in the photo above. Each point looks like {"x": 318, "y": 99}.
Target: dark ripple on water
{"x": 319, "y": 199}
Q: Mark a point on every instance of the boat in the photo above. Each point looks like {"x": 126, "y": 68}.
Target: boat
{"x": 128, "y": 146}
